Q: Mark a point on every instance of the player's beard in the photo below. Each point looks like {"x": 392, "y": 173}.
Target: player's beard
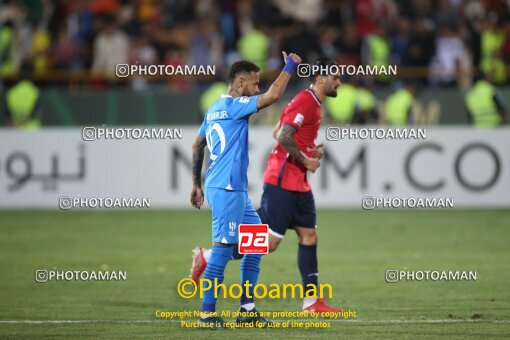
{"x": 248, "y": 93}
{"x": 331, "y": 93}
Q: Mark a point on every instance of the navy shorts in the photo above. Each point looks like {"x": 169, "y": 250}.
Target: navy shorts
{"x": 282, "y": 209}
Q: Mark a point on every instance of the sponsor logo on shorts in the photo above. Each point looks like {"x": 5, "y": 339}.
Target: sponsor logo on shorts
{"x": 231, "y": 229}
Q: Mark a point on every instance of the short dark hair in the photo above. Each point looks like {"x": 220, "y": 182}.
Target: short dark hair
{"x": 321, "y": 62}
{"x": 240, "y": 67}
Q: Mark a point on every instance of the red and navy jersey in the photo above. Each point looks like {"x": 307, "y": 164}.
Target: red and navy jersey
{"x": 303, "y": 113}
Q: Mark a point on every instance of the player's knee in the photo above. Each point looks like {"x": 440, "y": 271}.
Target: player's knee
{"x": 273, "y": 243}
{"x": 308, "y": 239}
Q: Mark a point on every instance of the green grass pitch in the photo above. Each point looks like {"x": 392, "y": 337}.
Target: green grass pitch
{"x": 356, "y": 248}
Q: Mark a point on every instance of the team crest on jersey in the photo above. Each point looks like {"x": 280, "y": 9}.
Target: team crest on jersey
{"x": 299, "y": 119}
{"x": 232, "y": 229}
{"x": 244, "y": 100}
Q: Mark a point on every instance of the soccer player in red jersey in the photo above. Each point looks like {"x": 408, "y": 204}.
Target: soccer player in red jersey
{"x": 287, "y": 201}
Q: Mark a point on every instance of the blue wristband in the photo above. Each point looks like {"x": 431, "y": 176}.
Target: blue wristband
{"x": 290, "y": 65}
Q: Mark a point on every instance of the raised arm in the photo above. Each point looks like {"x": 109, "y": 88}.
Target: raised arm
{"x": 287, "y": 141}
{"x": 277, "y": 89}
{"x": 197, "y": 194}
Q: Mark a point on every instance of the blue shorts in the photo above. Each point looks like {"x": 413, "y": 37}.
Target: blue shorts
{"x": 229, "y": 209}
{"x": 283, "y": 209}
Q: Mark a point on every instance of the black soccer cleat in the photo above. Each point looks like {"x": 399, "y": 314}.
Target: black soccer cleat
{"x": 212, "y": 323}
{"x": 252, "y": 317}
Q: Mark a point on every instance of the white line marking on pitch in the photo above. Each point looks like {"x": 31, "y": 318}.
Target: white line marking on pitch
{"x": 303, "y": 320}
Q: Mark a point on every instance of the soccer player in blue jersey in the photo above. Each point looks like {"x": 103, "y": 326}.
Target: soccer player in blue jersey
{"x": 225, "y": 132}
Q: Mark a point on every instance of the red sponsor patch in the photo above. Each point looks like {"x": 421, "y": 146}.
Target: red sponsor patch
{"x": 253, "y": 239}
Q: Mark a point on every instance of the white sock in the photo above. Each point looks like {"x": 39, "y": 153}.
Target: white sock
{"x": 307, "y": 302}
{"x": 207, "y": 254}
{"x": 248, "y": 306}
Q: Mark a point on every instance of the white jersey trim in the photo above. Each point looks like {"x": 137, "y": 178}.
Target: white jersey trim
{"x": 274, "y": 233}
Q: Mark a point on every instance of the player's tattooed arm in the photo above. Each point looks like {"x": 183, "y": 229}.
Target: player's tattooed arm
{"x": 198, "y": 160}
{"x": 288, "y": 142}
{"x": 277, "y": 89}
{"x": 197, "y": 195}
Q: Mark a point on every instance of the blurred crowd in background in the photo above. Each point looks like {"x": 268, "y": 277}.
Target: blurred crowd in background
{"x": 458, "y": 44}
{"x": 445, "y": 38}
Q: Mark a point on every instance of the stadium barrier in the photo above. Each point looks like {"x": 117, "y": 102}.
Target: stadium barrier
{"x": 38, "y": 168}
{"x": 433, "y": 106}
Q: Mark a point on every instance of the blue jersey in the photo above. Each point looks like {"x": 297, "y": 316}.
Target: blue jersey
{"x": 225, "y": 128}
